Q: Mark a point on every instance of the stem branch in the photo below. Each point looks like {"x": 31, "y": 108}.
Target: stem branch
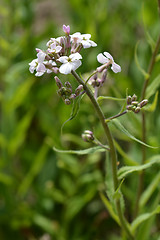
{"x": 124, "y": 223}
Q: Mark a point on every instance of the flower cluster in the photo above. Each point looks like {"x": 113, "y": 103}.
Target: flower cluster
{"x": 62, "y": 54}
{"x": 135, "y": 106}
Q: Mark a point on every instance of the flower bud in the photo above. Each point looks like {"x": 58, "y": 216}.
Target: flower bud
{"x": 143, "y": 103}
{"x": 68, "y": 85}
{"x": 129, "y": 100}
{"x": 58, "y": 82}
{"x": 66, "y": 29}
{"x": 72, "y": 96}
{"x": 134, "y": 103}
{"x": 134, "y": 97}
{"x": 104, "y": 75}
{"x": 88, "y": 136}
{"x": 130, "y": 107}
{"x": 67, "y": 101}
{"x": 78, "y": 90}
{"x": 137, "y": 110}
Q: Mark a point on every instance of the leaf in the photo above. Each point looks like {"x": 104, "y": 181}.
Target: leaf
{"x": 145, "y": 74}
{"x": 110, "y": 98}
{"x": 109, "y": 207}
{"x": 119, "y": 126}
{"x": 36, "y": 167}
{"x": 149, "y": 191}
{"x": 45, "y": 223}
{"x": 151, "y": 107}
{"x": 140, "y": 219}
{"x": 75, "y": 109}
{"x": 127, "y": 159}
{"x": 117, "y": 194}
{"x": 124, "y": 171}
{"x": 82, "y": 152}
{"x": 152, "y": 87}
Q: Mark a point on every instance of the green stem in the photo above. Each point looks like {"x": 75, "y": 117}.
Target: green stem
{"x": 141, "y": 175}
{"x": 116, "y": 116}
{"x": 124, "y": 223}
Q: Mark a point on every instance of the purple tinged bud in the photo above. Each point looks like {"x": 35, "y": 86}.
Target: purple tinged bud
{"x": 135, "y": 103}
{"x": 104, "y": 75}
{"x": 72, "y": 96}
{"x": 58, "y": 82}
{"x": 134, "y": 97}
{"x": 67, "y": 101}
{"x": 78, "y": 90}
{"x": 68, "y": 85}
{"x": 143, "y": 103}
{"x": 66, "y": 29}
{"x": 137, "y": 110}
{"x": 129, "y": 100}
{"x": 130, "y": 107}
{"x": 88, "y": 136}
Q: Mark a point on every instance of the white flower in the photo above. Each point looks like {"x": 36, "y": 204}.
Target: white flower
{"x": 51, "y": 64}
{"x": 106, "y": 58}
{"x": 54, "y": 49}
{"x": 84, "y": 39}
{"x": 69, "y": 63}
{"x": 37, "y": 64}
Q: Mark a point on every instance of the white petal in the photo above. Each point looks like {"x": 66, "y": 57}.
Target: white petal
{"x": 38, "y": 74}
{"x": 76, "y": 64}
{"x": 86, "y": 36}
{"x": 31, "y": 69}
{"x": 86, "y": 43}
{"x": 116, "y": 68}
{"x": 63, "y": 59}
{"x": 58, "y": 49}
{"x": 65, "y": 68}
{"x": 108, "y": 55}
{"x": 75, "y": 56}
{"x": 41, "y": 56}
{"x": 33, "y": 63}
{"x": 41, "y": 67}
{"x": 93, "y": 44}
{"x": 102, "y": 59}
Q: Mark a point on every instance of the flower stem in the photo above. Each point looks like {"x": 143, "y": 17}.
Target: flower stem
{"x": 141, "y": 175}
{"x": 116, "y": 116}
{"x": 123, "y": 222}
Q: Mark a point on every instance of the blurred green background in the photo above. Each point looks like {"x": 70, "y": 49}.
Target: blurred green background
{"x": 46, "y": 195}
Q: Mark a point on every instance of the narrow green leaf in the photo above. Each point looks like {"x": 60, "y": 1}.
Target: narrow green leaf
{"x": 140, "y": 219}
{"x": 82, "y": 152}
{"x": 152, "y": 87}
{"x": 124, "y": 171}
{"x": 75, "y": 109}
{"x": 149, "y": 191}
{"x": 127, "y": 159}
{"x": 5, "y": 179}
{"x": 110, "y": 98}
{"x": 117, "y": 194}
{"x": 145, "y": 74}
{"x": 109, "y": 208}
{"x": 119, "y": 126}
{"x": 36, "y": 167}
{"x": 151, "y": 107}
{"x": 46, "y": 224}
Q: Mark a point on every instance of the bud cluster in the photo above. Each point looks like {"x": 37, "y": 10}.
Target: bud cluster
{"x": 88, "y": 136}
{"x": 97, "y": 81}
{"x": 66, "y": 92}
{"x": 133, "y": 105}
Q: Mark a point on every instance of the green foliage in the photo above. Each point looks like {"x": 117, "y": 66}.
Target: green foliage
{"x": 60, "y": 193}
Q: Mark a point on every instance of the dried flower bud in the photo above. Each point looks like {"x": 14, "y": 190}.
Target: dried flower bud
{"x": 88, "y": 136}
{"x": 143, "y": 103}
{"x": 58, "y": 82}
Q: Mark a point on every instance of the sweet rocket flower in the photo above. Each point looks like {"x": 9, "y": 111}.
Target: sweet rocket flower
{"x": 38, "y": 65}
{"x": 50, "y": 66}
{"x": 84, "y": 39}
{"x": 53, "y": 48}
{"x": 69, "y": 63}
{"x": 107, "y": 58}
